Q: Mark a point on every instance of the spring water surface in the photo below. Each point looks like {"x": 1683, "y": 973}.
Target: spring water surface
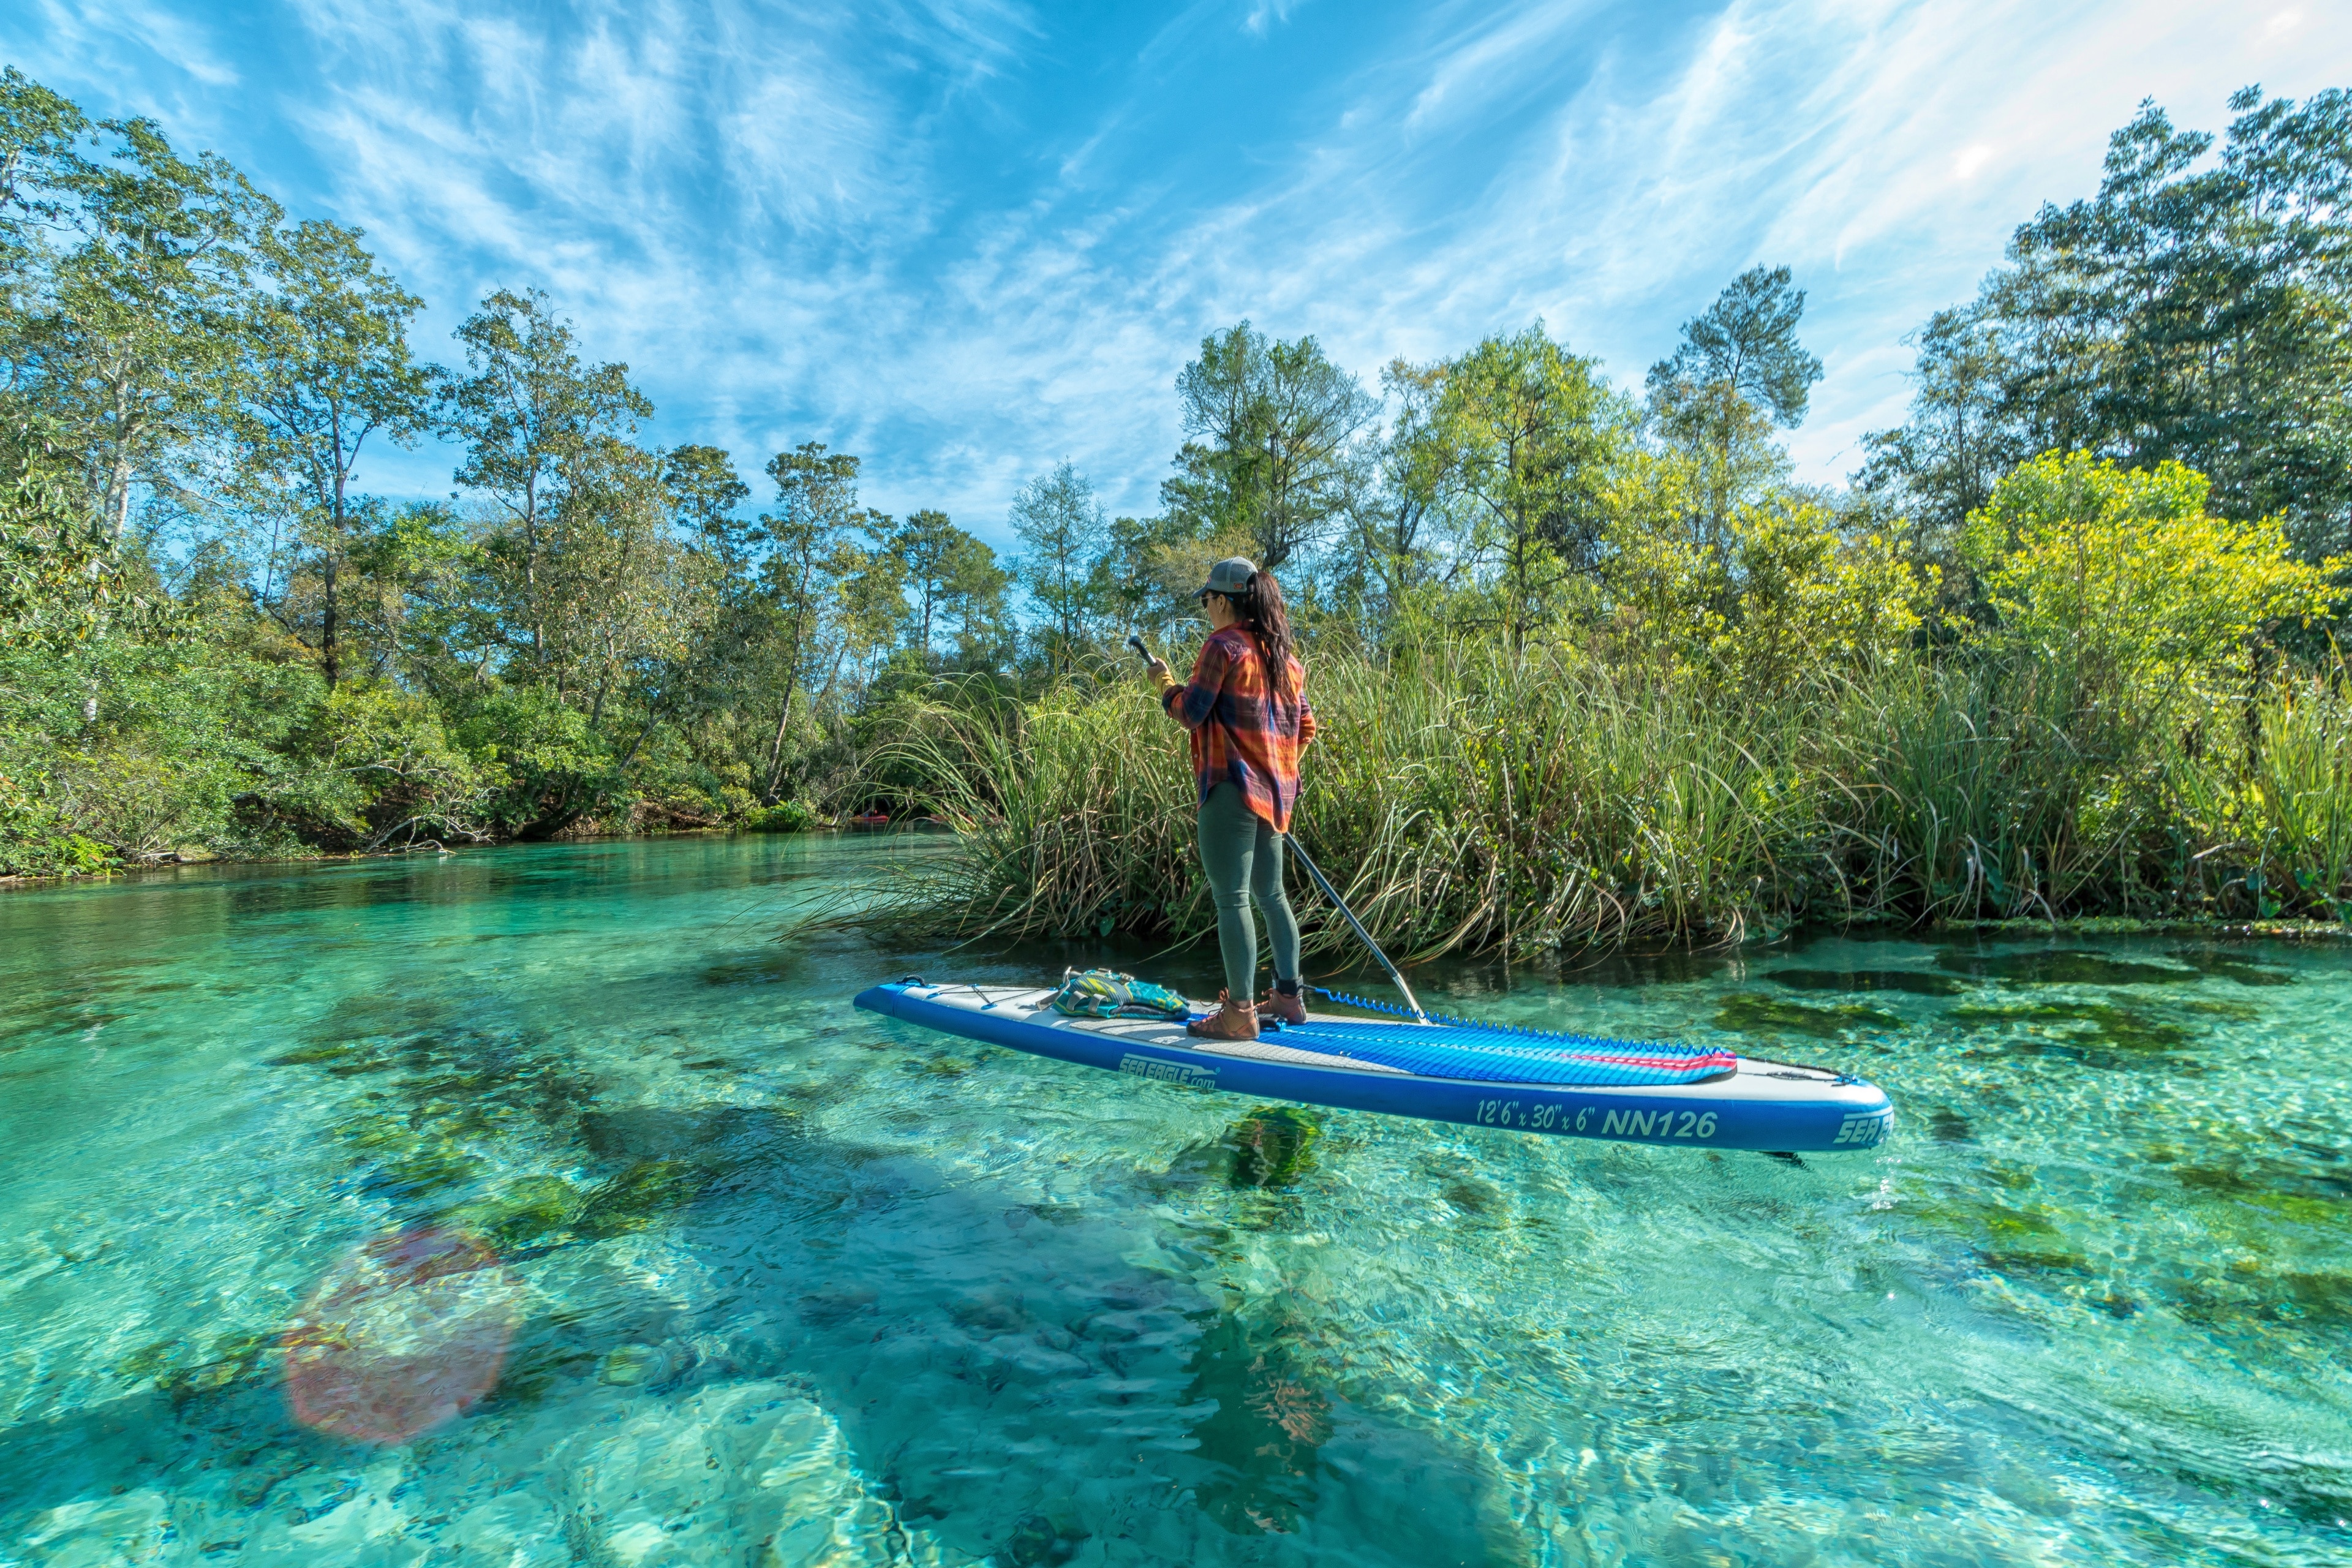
{"x": 537, "y": 1207}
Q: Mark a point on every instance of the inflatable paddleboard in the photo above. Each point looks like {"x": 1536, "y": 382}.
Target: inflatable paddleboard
{"x": 1451, "y": 1070}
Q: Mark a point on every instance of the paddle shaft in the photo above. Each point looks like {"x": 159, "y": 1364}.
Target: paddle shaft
{"x": 1341, "y": 904}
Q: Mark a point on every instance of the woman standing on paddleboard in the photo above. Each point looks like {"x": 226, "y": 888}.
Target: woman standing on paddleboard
{"x": 1246, "y": 709}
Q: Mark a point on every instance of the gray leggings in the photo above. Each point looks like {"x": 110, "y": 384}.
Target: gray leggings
{"x": 1243, "y": 855}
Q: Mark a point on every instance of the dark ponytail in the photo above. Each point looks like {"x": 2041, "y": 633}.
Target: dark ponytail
{"x": 1260, "y": 605}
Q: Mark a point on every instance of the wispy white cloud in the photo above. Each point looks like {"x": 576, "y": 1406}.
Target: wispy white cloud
{"x": 1886, "y": 150}
{"x": 165, "y": 59}
{"x": 1265, "y": 13}
{"x": 968, "y": 238}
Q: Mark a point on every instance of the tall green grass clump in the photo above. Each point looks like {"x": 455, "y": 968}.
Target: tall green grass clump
{"x": 1461, "y": 796}
{"x": 2112, "y": 736}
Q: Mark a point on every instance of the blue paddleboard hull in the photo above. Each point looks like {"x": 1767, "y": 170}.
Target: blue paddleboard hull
{"x": 1763, "y": 1105}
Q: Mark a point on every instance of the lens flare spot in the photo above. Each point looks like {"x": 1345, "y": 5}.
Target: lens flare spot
{"x": 404, "y": 1333}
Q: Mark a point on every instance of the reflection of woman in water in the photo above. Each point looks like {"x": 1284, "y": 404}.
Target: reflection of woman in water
{"x": 1246, "y": 709}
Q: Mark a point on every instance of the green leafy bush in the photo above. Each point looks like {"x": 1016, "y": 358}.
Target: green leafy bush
{"x": 785, "y": 817}
{"x": 546, "y": 768}
{"x": 374, "y": 767}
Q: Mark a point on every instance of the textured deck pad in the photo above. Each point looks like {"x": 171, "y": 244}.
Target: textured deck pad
{"x": 1507, "y": 1056}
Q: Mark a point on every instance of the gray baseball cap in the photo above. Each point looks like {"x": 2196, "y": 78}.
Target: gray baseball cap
{"x": 1228, "y": 577}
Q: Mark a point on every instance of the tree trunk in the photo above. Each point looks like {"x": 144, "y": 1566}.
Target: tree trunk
{"x": 118, "y": 495}
{"x": 333, "y": 556}
{"x": 327, "y": 621}
{"x": 783, "y": 716}
{"x": 531, "y": 563}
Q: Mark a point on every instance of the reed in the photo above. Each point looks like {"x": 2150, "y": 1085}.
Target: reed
{"x": 1469, "y": 798}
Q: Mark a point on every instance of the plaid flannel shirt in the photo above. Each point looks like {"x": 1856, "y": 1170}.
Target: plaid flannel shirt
{"x": 1242, "y": 733}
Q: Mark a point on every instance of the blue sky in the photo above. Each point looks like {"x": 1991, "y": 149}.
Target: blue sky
{"x": 966, "y": 238}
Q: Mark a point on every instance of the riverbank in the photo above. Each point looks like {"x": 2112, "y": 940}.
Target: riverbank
{"x": 801, "y": 821}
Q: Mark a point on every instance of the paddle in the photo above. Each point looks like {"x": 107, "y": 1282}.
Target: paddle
{"x": 1337, "y": 903}
{"x": 1135, "y": 641}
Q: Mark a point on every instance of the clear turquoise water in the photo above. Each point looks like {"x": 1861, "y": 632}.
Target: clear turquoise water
{"x": 790, "y": 1284}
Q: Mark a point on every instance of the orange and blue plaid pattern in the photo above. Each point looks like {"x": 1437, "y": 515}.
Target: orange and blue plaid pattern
{"x": 1243, "y": 732}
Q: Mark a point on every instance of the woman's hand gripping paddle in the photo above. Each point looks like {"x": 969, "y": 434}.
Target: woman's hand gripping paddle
{"x": 1161, "y": 673}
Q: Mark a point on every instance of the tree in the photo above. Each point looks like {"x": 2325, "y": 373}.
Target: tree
{"x": 2124, "y": 577}
{"x": 1281, "y": 459}
{"x": 868, "y": 603}
{"x": 974, "y": 599}
{"x": 1527, "y": 435}
{"x": 1747, "y": 341}
{"x": 1396, "y": 542}
{"x": 1737, "y": 372}
{"x": 933, "y": 551}
{"x": 125, "y": 278}
{"x": 327, "y": 366}
{"x": 39, "y": 134}
{"x": 62, "y": 581}
{"x": 530, "y": 413}
{"x": 1063, "y": 532}
{"x": 1942, "y": 465}
{"x": 614, "y": 580}
{"x": 816, "y": 506}
{"x": 419, "y": 601}
{"x": 704, "y": 492}
{"x": 724, "y": 666}
{"x": 2195, "y": 309}
{"x": 1798, "y": 591}
{"x": 1149, "y": 567}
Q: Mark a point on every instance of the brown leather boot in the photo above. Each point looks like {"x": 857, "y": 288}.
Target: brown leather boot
{"x": 1232, "y": 1021}
{"x": 1291, "y": 1007}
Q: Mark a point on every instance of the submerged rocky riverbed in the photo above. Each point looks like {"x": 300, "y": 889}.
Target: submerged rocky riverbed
{"x": 539, "y": 1206}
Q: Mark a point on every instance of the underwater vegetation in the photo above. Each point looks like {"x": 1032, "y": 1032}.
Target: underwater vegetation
{"x": 1044, "y": 1536}
{"x": 2276, "y": 1226}
{"x": 461, "y": 1085}
{"x": 181, "y": 1374}
{"x": 767, "y": 967}
{"x": 2215, "y": 961}
{"x": 1911, "y": 981}
{"x": 2248, "y": 1293}
{"x": 2126, "y": 1029}
{"x": 1272, "y": 1146}
{"x": 534, "y": 1212}
{"x": 530, "y": 1213}
{"x": 467, "y": 1080}
{"x": 2062, "y": 967}
{"x": 405, "y": 1161}
{"x": 643, "y": 1193}
{"x": 1748, "y": 1012}
{"x": 2102, "y": 1034}
{"x": 1474, "y": 1195}
{"x": 523, "y": 1214}
{"x": 2291, "y": 1190}
{"x": 2025, "y": 1240}
{"x": 1948, "y": 1126}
